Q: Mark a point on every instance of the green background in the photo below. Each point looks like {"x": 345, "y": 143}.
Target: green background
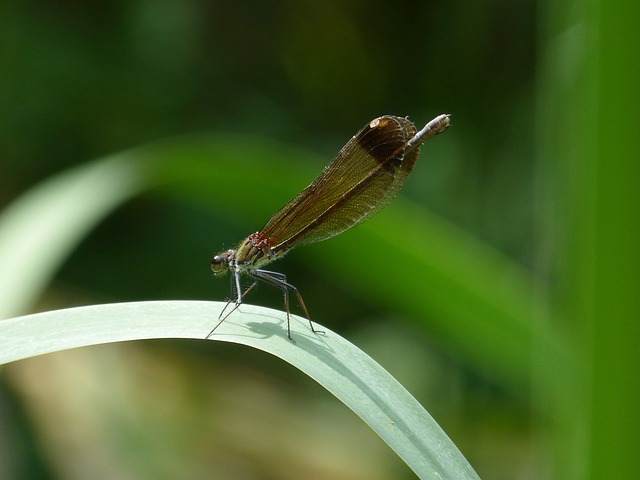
{"x": 499, "y": 288}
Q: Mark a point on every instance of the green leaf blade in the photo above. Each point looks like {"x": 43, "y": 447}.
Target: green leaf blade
{"x": 344, "y": 370}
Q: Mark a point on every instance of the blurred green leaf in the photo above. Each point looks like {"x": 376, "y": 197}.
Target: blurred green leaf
{"x": 339, "y": 366}
{"x": 589, "y": 153}
{"x": 39, "y": 230}
{"x": 478, "y": 301}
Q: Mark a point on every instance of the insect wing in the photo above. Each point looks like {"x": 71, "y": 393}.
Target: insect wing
{"x": 362, "y": 179}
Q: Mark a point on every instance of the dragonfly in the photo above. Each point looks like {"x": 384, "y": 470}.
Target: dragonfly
{"x": 361, "y": 180}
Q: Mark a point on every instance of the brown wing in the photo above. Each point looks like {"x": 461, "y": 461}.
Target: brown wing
{"x": 361, "y": 180}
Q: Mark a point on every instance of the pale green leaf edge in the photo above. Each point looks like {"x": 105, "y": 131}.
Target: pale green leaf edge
{"x": 41, "y": 228}
{"x": 342, "y": 368}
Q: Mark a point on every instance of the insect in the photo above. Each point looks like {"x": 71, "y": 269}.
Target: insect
{"x": 361, "y": 180}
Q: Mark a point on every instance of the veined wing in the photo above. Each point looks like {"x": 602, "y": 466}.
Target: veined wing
{"x": 362, "y": 179}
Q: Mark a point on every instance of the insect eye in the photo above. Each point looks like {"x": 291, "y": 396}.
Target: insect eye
{"x": 218, "y": 264}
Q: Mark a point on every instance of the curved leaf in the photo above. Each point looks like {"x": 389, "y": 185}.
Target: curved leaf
{"x": 339, "y": 366}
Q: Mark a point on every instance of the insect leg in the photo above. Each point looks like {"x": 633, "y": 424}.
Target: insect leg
{"x": 279, "y": 280}
{"x": 234, "y": 284}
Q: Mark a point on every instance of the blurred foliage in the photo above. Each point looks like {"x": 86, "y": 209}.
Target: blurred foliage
{"x": 83, "y": 80}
